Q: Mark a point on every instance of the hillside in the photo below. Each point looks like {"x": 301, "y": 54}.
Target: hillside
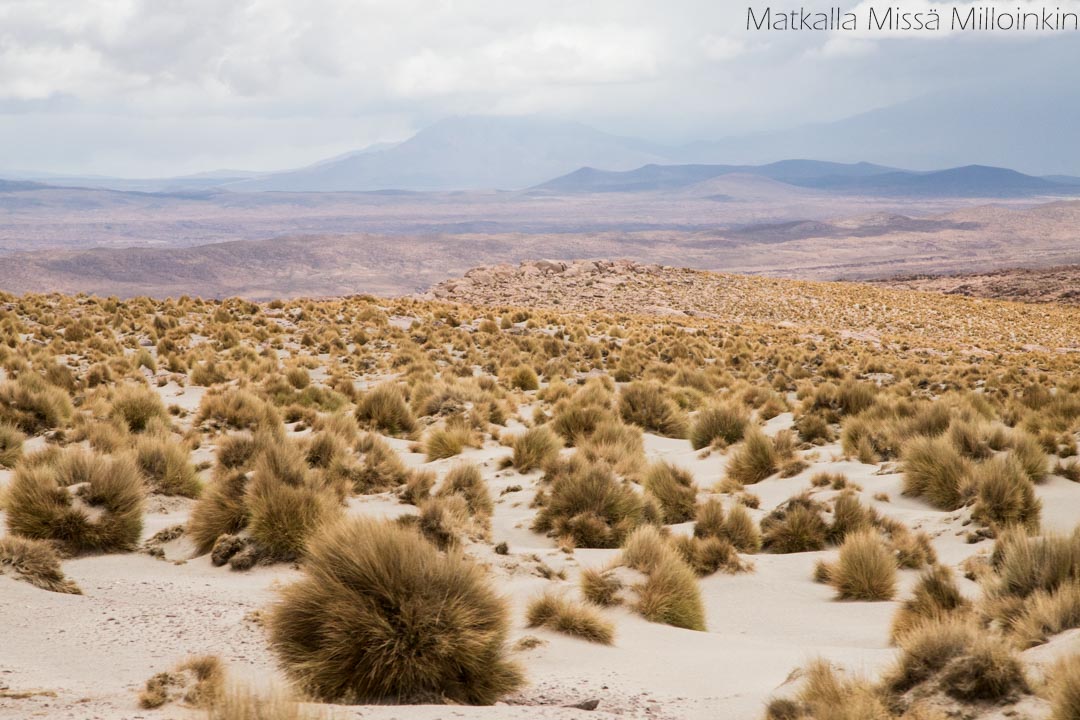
{"x": 1054, "y": 284}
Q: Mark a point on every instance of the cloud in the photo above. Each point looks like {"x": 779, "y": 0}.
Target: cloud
{"x": 155, "y": 86}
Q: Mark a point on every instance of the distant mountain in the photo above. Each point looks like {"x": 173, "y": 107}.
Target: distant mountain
{"x": 470, "y": 153}
{"x": 853, "y": 179}
{"x": 1031, "y": 129}
{"x": 666, "y": 177}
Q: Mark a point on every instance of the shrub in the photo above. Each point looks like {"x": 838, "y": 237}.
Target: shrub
{"x": 865, "y": 570}
{"x": 445, "y": 442}
{"x": 670, "y": 595}
{"x": 523, "y": 377}
{"x": 382, "y": 616}
{"x": 221, "y": 510}
{"x": 674, "y": 489}
{"x": 104, "y": 513}
{"x": 384, "y": 408}
{"x": 646, "y": 405}
{"x": 590, "y": 507}
{"x": 1005, "y": 495}
{"x": 283, "y": 516}
{"x": 11, "y": 445}
{"x": 535, "y": 448}
{"x": 167, "y": 466}
{"x": 600, "y": 587}
{"x": 136, "y": 406}
{"x": 570, "y": 618}
{"x": 935, "y": 470}
{"x": 1030, "y": 455}
{"x": 32, "y": 405}
{"x": 936, "y": 595}
{"x": 719, "y": 425}
{"x": 795, "y": 526}
{"x": 1064, "y": 687}
{"x": 35, "y": 562}
{"x": 753, "y": 460}
{"x": 465, "y": 480}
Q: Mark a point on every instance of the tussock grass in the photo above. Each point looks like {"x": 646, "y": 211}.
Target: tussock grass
{"x": 239, "y": 703}
{"x": 557, "y": 613}
{"x": 282, "y": 516}
{"x": 535, "y": 448}
{"x": 736, "y": 526}
{"x": 381, "y": 616}
{"x": 221, "y": 510}
{"x": 466, "y": 480}
{"x": 167, "y": 466}
{"x": 935, "y": 470}
{"x": 647, "y": 405}
{"x": 84, "y": 501}
{"x": 674, "y": 488}
{"x": 32, "y": 405}
{"x": 708, "y": 555}
{"x": 35, "y": 562}
{"x": 600, "y": 587}
{"x": 670, "y": 595}
{"x": 137, "y": 406}
{"x": 11, "y": 445}
{"x": 720, "y": 425}
{"x": 866, "y": 570}
{"x": 795, "y": 526}
{"x": 1004, "y": 495}
{"x": 447, "y": 441}
{"x": 1047, "y": 613}
{"x": 589, "y": 506}
{"x": 754, "y": 459}
{"x": 1064, "y": 689}
{"x": 935, "y": 596}
{"x": 384, "y": 408}
{"x": 381, "y": 470}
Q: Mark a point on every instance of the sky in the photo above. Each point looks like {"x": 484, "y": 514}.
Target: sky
{"x": 145, "y": 88}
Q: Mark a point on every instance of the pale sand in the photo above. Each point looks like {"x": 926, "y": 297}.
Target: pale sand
{"x": 140, "y": 615}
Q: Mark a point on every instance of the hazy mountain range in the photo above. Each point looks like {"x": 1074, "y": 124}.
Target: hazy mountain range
{"x": 1030, "y": 132}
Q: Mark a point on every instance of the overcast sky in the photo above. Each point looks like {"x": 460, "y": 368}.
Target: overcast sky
{"x": 160, "y": 87}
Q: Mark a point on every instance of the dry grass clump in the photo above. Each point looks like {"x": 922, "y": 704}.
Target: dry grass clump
{"x": 600, "y": 587}
{"x": 446, "y": 441}
{"x": 382, "y": 616}
{"x": 670, "y": 593}
{"x": 968, "y": 663}
{"x": 674, "y": 488}
{"x": 466, "y": 480}
{"x": 167, "y": 466}
{"x": 535, "y": 448}
{"x": 647, "y": 405}
{"x": 238, "y": 409}
{"x": 826, "y": 695}
{"x": 84, "y": 501}
{"x": 619, "y": 445}
{"x": 935, "y": 470}
{"x": 709, "y": 555}
{"x": 384, "y": 408}
{"x": 865, "y": 570}
{"x": 736, "y": 526}
{"x": 1029, "y": 454}
{"x": 759, "y": 456}
{"x": 35, "y": 562}
{"x": 285, "y": 506}
{"x": 718, "y": 425}
{"x": 557, "y": 613}
{"x": 575, "y": 421}
{"x": 221, "y": 510}
{"x": 32, "y": 405}
{"x": 136, "y": 406}
{"x": 936, "y": 595}
{"x": 1064, "y": 689}
{"x": 11, "y": 445}
{"x": 197, "y": 682}
{"x": 381, "y": 468}
{"x": 1004, "y": 496}
{"x": 795, "y": 526}
{"x": 589, "y": 506}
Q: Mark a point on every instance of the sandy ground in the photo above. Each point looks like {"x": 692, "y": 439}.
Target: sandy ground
{"x": 86, "y": 657}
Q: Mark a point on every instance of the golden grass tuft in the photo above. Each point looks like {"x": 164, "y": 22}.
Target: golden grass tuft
{"x": 84, "y": 501}
{"x": 1004, "y": 496}
{"x": 719, "y": 425}
{"x": 934, "y": 469}
{"x": 11, "y": 445}
{"x": 382, "y": 616}
{"x": 559, "y": 614}
{"x": 588, "y": 505}
{"x": 600, "y": 587}
{"x": 1064, "y": 689}
{"x": 167, "y": 466}
{"x": 865, "y": 570}
{"x": 936, "y": 595}
{"x": 535, "y": 448}
{"x": 35, "y": 562}
{"x": 674, "y": 488}
{"x": 136, "y": 406}
{"x": 754, "y": 459}
{"x": 384, "y": 408}
{"x": 648, "y": 406}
